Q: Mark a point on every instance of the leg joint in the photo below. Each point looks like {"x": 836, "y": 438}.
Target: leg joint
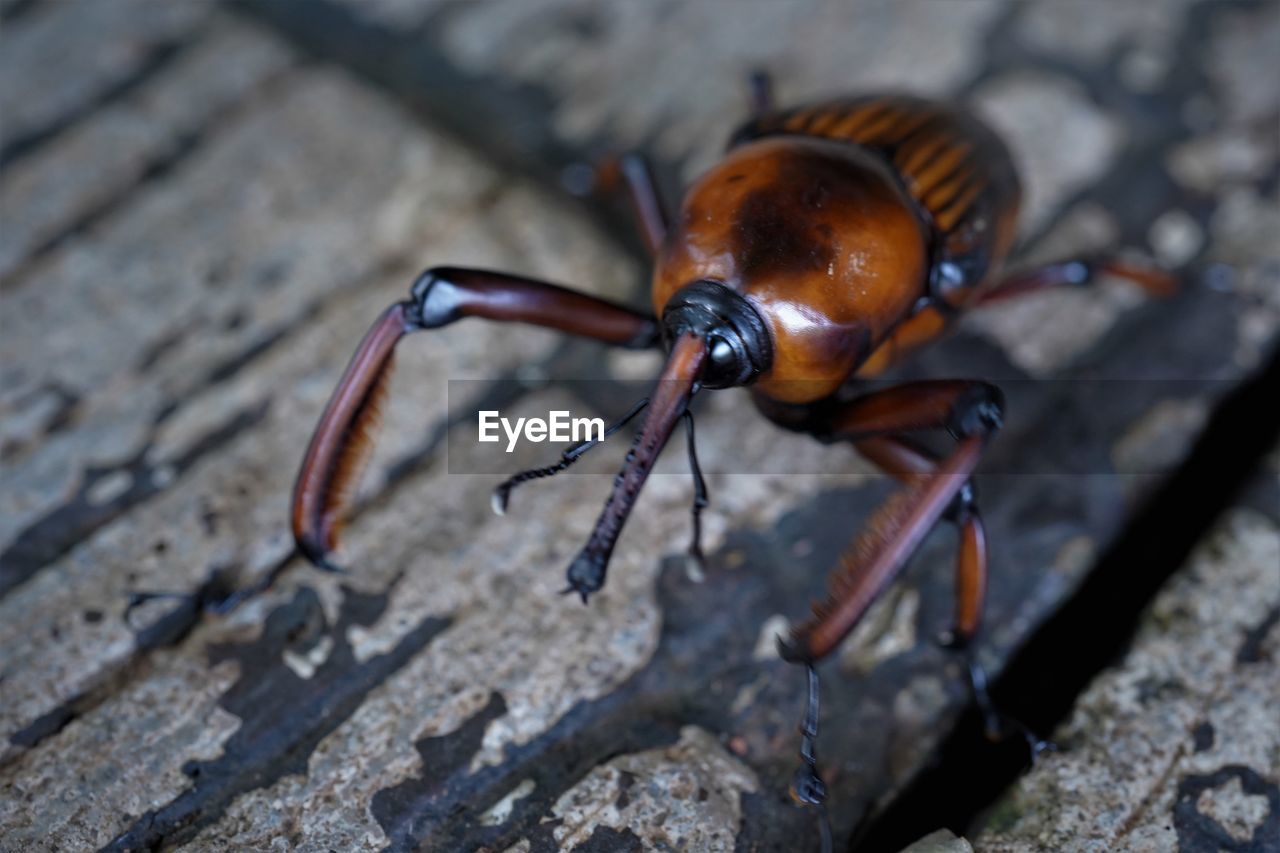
{"x": 794, "y": 649}
{"x": 964, "y": 505}
{"x": 978, "y": 411}
{"x": 435, "y": 301}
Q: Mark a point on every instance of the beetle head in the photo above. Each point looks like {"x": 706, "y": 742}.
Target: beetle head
{"x": 737, "y": 342}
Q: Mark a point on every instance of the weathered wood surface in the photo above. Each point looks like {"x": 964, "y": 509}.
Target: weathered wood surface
{"x": 1177, "y": 748}
{"x": 201, "y": 213}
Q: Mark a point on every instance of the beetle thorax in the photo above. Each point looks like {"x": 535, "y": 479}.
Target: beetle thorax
{"x": 818, "y": 237}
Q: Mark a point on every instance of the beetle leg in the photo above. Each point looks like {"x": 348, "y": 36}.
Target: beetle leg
{"x": 642, "y": 189}
{"x": 439, "y": 297}
{"x": 971, "y": 411}
{"x": 807, "y": 787}
{"x": 906, "y": 462}
{"x": 1081, "y": 273}
{"x": 760, "y": 100}
{"x": 890, "y": 537}
{"x": 932, "y": 319}
{"x": 217, "y": 595}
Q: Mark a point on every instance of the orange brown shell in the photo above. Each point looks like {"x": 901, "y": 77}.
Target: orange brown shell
{"x": 836, "y": 221}
{"x": 960, "y": 174}
{"x": 819, "y": 237}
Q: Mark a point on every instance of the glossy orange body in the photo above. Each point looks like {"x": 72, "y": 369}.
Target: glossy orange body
{"x": 855, "y": 228}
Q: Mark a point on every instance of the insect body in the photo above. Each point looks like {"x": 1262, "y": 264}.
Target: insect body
{"x": 828, "y": 243}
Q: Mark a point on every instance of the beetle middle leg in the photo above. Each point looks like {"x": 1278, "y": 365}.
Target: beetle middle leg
{"x": 908, "y": 462}
{"x": 971, "y": 411}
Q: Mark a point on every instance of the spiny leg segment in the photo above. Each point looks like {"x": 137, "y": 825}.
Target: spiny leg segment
{"x": 904, "y": 460}
{"x": 971, "y": 411}
{"x": 439, "y": 297}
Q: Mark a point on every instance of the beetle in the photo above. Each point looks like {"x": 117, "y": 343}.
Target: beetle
{"x": 830, "y": 242}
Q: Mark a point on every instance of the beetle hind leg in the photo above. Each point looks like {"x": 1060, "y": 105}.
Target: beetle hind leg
{"x": 905, "y": 460}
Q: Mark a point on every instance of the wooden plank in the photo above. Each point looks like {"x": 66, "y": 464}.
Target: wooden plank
{"x": 413, "y": 703}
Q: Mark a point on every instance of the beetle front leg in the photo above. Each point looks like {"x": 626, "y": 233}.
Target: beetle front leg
{"x": 440, "y": 296}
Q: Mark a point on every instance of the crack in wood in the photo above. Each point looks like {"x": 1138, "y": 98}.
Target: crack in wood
{"x": 159, "y": 57}
{"x": 413, "y": 69}
{"x": 284, "y": 717}
{"x": 183, "y": 148}
{"x": 1045, "y": 675}
{"x": 54, "y": 534}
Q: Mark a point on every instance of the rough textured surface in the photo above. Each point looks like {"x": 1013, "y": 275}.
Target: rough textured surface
{"x": 81, "y": 176}
{"x": 170, "y": 425}
{"x": 62, "y": 60}
{"x": 1177, "y": 747}
{"x": 676, "y": 94}
{"x": 683, "y": 797}
{"x": 205, "y": 206}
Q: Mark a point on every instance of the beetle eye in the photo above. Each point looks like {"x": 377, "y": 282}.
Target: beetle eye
{"x": 721, "y": 352}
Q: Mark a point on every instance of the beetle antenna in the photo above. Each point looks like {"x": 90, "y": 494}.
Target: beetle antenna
{"x": 700, "y": 498}
{"x": 502, "y": 494}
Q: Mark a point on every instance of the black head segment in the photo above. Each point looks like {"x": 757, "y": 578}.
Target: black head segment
{"x": 738, "y": 344}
